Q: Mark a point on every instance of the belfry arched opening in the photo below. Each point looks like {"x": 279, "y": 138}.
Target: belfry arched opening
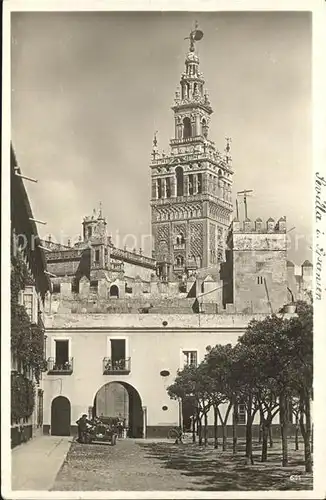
{"x": 121, "y": 400}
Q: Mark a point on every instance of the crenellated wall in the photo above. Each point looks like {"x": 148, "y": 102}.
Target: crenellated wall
{"x": 300, "y": 285}
{"x": 259, "y": 265}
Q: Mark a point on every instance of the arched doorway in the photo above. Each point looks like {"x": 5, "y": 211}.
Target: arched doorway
{"x": 60, "y": 416}
{"x": 121, "y": 400}
{"x": 114, "y": 291}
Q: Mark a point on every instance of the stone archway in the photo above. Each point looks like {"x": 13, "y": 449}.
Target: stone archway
{"x": 120, "y": 399}
{"x": 60, "y": 416}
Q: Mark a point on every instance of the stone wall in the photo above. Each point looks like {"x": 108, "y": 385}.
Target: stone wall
{"x": 259, "y": 266}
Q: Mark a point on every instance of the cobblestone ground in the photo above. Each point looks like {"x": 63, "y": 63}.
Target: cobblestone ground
{"x": 140, "y": 465}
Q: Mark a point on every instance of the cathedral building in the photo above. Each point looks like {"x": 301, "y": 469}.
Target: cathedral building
{"x": 120, "y": 324}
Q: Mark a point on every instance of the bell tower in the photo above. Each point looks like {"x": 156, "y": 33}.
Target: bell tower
{"x": 191, "y": 186}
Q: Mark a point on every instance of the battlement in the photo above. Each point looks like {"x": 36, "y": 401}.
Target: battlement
{"x": 258, "y": 226}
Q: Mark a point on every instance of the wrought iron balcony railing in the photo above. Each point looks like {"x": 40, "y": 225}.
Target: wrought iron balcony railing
{"x": 179, "y": 246}
{"x": 55, "y": 367}
{"x": 116, "y": 367}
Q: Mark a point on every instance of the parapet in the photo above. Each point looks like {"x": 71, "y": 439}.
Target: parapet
{"x": 258, "y": 226}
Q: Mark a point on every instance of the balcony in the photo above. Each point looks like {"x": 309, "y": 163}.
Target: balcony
{"x": 179, "y": 246}
{"x": 56, "y": 368}
{"x": 116, "y": 367}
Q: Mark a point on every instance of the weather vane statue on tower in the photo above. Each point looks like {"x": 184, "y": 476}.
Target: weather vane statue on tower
{"x": 195, "y": 36}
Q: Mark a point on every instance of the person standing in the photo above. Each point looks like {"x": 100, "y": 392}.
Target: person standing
{"x": 82, "y": 424}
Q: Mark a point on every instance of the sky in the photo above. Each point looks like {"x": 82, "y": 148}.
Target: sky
{"x": 89, "y": 90}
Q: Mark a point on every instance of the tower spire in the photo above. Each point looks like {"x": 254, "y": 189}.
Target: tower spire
{"x": 228, "y": 157}
{"x": 194, "y": 36}
{"x": 155, "y": 149}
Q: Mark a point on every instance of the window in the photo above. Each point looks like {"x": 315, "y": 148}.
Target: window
{"x": 94, "y": 284}
{"x": 179, "y": 176}
{"x": 242, "y": 413}
{"x": 159, "y": 188}
{"x": 179, "y": 261}
{"x": 168, "y": 187}
{"x": 199, "y": 183}
{"x": 191, "y": 183}
{"x": 180, "y": 239}
{"x": 190, "y": 358}
{"x": 186, "y": 128}
{"x": 204, "y": 128}
{"x": 56, "y": 287}
{"x": 75, "y": 286}
{"x": 97, "y": 255}
{"x": 28, "y": 304}
{"x": 89, "y": 232}
{"x": 114, "y": 291}
{"x": 61, "y": 352}
{"x": 118, "y": 351}
{"x": 260, "y": 280}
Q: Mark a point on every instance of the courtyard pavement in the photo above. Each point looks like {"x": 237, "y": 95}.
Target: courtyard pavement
{"x": 35, "y": 464}
{"x": 50, "y": 463}
{"x": 143, "y": 465}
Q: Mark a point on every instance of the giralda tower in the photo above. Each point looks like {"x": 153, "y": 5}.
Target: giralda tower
{"x": 191, "y": 187}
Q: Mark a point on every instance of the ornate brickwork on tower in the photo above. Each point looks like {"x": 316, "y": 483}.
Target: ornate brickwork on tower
{"x": 191, "y": 187}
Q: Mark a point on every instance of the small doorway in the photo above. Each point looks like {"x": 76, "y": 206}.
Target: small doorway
{"x": 60, "y": 416}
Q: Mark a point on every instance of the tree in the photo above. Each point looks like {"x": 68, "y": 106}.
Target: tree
{"x": 244, "y": 384}
{"x": 194, "y": 382}
{"x": 219, "y": 360}
{"x": 260, "y": 345}
{"x": 283, "y": 369}
{"x": 301, "y": 350}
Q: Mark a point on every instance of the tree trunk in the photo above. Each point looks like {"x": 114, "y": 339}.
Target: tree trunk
{"x": 235, "y": 428}
{"x": 306, "y": 429}
{"x": 261, "y": 425}
{"x": 215, "y": 428}
{"x": 297, "y": 431}
{"x": 249, "y": 456}
{"x": 271, "y": 443}
{"x": 194, "y": 422}
{"x": 312, "y": 438}
{"x": 200, "y": 433}
{"x": 284, "y": 429}
{"x": 250, "y": 416}
{"x": 205, "y": 429}
{"x": 265, "y": 429}
{"x": 224, "y": 424}
{"x": 224, "y": 437}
